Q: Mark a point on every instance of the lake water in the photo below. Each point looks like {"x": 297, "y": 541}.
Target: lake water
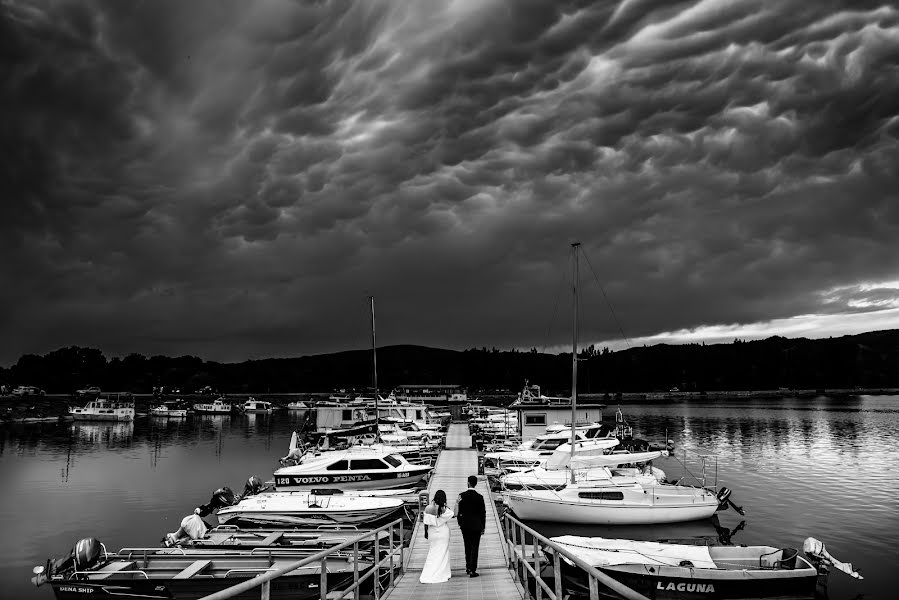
{"x": 821, "y": 467}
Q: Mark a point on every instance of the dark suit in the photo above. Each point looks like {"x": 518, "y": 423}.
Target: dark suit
{"x": 472, "y": 518}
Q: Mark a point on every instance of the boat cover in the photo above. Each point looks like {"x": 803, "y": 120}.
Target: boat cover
{"x": 594, "y": 456}
{"x": 600, "y": 552}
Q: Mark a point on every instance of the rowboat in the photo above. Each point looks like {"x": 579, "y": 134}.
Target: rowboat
{"x": 185, "y": 574}
{"x": 680, "y": 571}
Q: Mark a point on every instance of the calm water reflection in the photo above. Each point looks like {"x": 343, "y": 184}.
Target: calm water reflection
{"x": 821, "y": 467}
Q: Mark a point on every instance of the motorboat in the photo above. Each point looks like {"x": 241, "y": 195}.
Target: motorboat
{"x": 314, "y": 540}
{"x": 119, "y": 408}
{"x": 186, "y": 574}
{"x": 219, "y": 406}
{"x": 359, "y": 467}
{"x": 252, "y": 405}
{"x": 676, "y": 571}
{"x": 314, "y": 508}
{"x": 545, "y": 445}
{"x": 599, "y": 468}
{"x": 170, "y": 408}
{"x": 297, "y": 405}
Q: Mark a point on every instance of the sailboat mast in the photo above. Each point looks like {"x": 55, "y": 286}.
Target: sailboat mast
{"x": 574, "y": 251}
{"x": 374, "y": 357}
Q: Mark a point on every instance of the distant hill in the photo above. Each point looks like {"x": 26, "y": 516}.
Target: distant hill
{"x": 863, "y": 360}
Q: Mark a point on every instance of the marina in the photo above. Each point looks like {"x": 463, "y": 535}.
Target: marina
{"x": 800, "y": 441}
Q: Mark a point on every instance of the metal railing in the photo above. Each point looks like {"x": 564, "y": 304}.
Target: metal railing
{"x": 395, "y": 551}
{"x": 522, "y": 565}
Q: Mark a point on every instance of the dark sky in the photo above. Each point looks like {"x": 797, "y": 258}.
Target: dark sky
{"x": 233, "y": 179}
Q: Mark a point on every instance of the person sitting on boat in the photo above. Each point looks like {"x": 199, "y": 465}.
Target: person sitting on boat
{"x": 294, "y": 457}
{"x": 192, "y": 528}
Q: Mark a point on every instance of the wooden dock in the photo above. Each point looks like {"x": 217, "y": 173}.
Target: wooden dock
{"x": 456, "y": 462}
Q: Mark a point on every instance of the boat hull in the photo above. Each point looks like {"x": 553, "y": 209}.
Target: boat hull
{"x": 674, "y": 583}
{"x": 85, "y": 416}
{"x": 347, "y": 481}
{"x": 310, "y": 518}
{"x": 534, "y": 508}
{"x": 287, "y": 587}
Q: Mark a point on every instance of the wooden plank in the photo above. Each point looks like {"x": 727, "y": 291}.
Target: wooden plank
{"x": 192, "y": 569}
{"x": 272, "y": 538}
{"x": 455, "y": 463}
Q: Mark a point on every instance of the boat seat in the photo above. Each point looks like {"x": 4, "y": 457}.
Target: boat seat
{"x": 192, "y": 569}
{"x": 112, "y": 569}
{"x": 272, "y": 538}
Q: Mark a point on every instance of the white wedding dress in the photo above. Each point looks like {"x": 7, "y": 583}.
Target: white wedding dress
{"x": 437, "y": 564}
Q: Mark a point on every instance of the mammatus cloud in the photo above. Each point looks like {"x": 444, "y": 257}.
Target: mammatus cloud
{"x": 232, "y": 179}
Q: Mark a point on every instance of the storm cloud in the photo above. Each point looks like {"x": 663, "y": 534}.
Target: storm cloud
{"x": 233, "y": 179}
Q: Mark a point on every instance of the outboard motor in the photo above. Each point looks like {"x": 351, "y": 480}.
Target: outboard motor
{"x": 822, "y": 559}
{"x": 724, "y": 501}
{"x": 86, "y": 553}
{"x": 221, "y": 498}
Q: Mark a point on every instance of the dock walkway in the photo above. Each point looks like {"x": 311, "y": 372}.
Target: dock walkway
{"x": 456, "y": 462}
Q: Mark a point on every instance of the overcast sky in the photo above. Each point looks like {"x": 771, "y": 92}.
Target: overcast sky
{"x": 233, "y": 179}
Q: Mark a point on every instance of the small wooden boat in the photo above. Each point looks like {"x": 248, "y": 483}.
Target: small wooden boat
{"x": 186, "y": 574}
{"x": 680, "y": 571}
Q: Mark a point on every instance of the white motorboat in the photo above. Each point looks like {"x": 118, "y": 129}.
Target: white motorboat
{"x": 170, "y": 409}
{"x": 105, "y": 409}
{"x": 676, "y": 571}
{"x": 358, "y": 467}
{"x": 310, "y": 509}
{"x": 217, "y": 407}
{"x": 297, "y": 405}
{"x": 606, "y": 466}
{"x": 545, "y": 445}
{"x": 252, "y": 405}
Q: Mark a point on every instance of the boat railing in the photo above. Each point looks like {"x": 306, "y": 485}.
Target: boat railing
{"x": 699, "y": 470}
{"x": 525, "y": 564}
{"x": 392, "y": 562}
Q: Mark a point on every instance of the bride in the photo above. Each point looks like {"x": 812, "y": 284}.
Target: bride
{"x": 437, "y": 517}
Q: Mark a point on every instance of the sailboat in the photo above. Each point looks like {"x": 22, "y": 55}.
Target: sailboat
{"x": 610, "y": 500}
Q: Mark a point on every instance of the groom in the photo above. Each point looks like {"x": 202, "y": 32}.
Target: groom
{"x": 471, "y": 516}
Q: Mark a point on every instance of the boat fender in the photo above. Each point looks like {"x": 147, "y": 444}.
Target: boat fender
{"x": 86, "y": 553}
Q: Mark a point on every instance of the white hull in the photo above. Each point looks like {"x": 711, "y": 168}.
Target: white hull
{"x": 309, "y": 508}
{"x": 327, "y": 480}
{"x": 530, "y": 508}
{"x": 168, "y": 413}
{"x": 119, "y": 414}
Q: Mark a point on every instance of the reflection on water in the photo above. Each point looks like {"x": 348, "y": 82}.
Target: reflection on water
{"x": 820, "y": 467}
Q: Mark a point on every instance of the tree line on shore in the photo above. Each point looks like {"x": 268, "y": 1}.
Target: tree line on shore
{"x": 868, "y": 360}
